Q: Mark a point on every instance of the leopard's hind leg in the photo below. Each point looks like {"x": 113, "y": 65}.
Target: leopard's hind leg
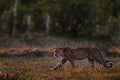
{"x": 91, "y": 62}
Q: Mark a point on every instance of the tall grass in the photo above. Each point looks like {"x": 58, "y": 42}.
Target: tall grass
{"x": 38, "y": 68}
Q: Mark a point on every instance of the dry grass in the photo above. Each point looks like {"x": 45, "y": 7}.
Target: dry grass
{"x": 117, "y": 50}
{"x": 8, "y": 50}
{"x": 38, "y": 69}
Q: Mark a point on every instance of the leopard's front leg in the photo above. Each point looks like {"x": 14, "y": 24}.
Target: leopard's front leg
{"x": 62, "y": 61}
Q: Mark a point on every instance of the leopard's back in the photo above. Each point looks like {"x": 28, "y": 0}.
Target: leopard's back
{"x": 85, "y": 52}
{"x": 80, "y": 53}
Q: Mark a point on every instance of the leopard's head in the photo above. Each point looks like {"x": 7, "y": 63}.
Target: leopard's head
{"x": 58, "y": 52}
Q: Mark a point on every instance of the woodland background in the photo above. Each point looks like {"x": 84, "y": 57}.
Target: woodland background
{"x": 78, "y": 18}
{"x": 31, "y": 29}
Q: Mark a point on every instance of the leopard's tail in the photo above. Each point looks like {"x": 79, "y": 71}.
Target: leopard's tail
{"x": 105, "y": 63}
{"x": 108, "y": 64}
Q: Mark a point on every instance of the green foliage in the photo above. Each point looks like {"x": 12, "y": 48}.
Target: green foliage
{"x": 73, "y": 17}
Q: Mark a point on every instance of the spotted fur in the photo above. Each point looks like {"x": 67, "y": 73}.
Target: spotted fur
{"x": 92, "y": 54}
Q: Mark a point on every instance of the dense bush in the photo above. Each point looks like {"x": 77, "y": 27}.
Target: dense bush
{"x": 73, "y": 17}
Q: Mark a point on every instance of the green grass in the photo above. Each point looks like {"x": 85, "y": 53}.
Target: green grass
{"x": 37, "y": 68}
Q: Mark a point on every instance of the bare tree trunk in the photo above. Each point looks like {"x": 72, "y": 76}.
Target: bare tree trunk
{"x": 47, "y": 23}
{"x": 29, "y": 27}
{"x": 15, "y": 15}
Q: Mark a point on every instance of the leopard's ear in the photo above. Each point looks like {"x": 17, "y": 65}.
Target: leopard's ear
{"x": 54, "y": 49}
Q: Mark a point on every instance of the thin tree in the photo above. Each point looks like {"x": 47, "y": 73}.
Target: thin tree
{"x": 28, "y": 22}
{"x": 47, "y": 23}
{"x": 15, "y": 15}
{"x": 29, "y": 27}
